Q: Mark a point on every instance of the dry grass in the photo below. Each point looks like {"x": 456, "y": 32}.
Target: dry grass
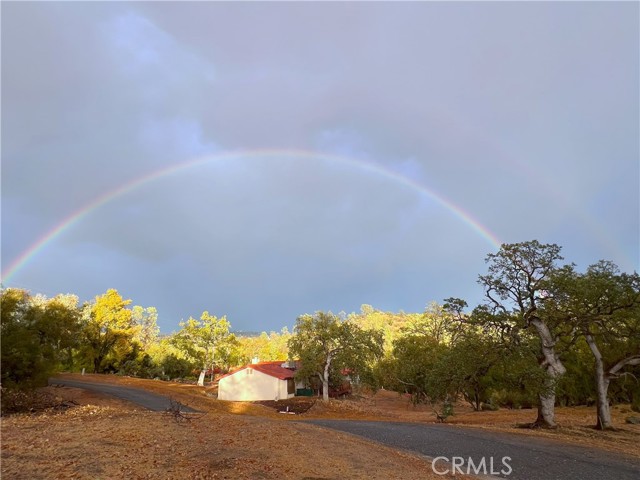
{"x": 104, "y": 442}
{"x": 109, "y": 438}
{"x": 106, "y": 438}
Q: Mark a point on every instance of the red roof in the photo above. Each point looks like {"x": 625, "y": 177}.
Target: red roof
{"x": 273, "y": 369}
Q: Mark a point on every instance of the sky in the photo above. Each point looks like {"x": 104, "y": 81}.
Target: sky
{"x": 266, "y": 160}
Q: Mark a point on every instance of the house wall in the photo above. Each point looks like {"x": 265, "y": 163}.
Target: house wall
{"x": 282, "y": 389}
{"x": 251, "y": 385}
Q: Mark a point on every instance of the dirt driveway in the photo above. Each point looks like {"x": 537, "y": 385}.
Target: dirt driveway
{"x": 137, "y": 396}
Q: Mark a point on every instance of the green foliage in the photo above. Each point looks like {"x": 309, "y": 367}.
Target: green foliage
{"x": 466, "y": 365}
{"x": 390, "y": 324}
{"x": 511, "y": 399}
{"x": 175, "y": 367}
{"x": 204, "y": 342}
{"x": 413, "y": 368}
{"x": 517, "y": 287}
{"x": 489, "y": 407}
{"x": 324, "y": 343}
{"x": 517, "y": 276}
{"x": 37, "y": 335}
{"x": 577, "y": 386}
{"x": 108, "y": 332}
{"x": 382, "y": 375}
{"x": 517, "y": 380}
{"x": 146, "y": 323}
{"x": 435, "y": 322}
{"x": 604, "y": 306}
{"x": 265, "y": 347}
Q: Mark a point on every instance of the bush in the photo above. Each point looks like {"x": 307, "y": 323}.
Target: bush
{"x": 36, "y": 336}
{"x": 143, "y": 367}
{"x": 510, "y": 399}
{"x": 447, "y": 408}
{"x": 24, "y": 401}
{"x": 174, "y": 367}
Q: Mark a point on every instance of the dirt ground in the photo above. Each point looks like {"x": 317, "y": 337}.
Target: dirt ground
{"x": 105, "y": 438}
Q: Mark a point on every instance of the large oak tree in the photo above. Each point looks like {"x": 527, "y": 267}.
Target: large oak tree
{"x": 516, "y": 287}
{"x": 323, "y": 342}
{"x": 603, "y": 305}
{"x": 204, "y": 341}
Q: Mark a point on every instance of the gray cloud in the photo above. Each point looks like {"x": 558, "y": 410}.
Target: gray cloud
{"x": 525, "y": 116}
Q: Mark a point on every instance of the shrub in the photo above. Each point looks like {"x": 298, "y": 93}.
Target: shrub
{"x": 24, "y": 401}
{"x": 174, "y": 367}
{"x": 511, "y": 399}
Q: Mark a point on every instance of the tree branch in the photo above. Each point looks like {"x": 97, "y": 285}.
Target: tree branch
{"x": 632, "y": 360}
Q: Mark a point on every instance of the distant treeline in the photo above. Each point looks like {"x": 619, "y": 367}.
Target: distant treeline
{"x": 545, "y": 335}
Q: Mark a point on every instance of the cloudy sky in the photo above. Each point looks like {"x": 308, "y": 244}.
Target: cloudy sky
{"x": 264, "y": 160}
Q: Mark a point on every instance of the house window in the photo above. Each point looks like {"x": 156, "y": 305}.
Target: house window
{"x": 291, "y": 386}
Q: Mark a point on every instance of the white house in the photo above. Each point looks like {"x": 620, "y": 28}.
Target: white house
{"x": 258, "y": 381}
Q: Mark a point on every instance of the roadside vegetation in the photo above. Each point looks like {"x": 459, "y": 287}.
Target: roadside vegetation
{"x": 546, "y": 336}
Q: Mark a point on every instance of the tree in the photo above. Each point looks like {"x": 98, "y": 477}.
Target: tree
{"x": 482, "y": 344}
{"x": 37, "y": 336}
{"x": 146, "y": 321}
{"x": 436, "y": 322}
{"x": 517, "y": 284}
{"x": 265, "y": 347}
{"x": 467, "y": 365}
{"x": 389, "y": 323}
{"x": 170, "y": 362}
{"x": 204, "y": 341}
{"x": 108, "y": 330}
{"x": 604, "y": 306}
{"x": 413, "y": 368}
{"x": 325, "y": 343}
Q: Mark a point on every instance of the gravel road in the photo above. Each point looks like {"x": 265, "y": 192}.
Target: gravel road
{"x": 530, "y": 458}
{"x": 143, "y": 398}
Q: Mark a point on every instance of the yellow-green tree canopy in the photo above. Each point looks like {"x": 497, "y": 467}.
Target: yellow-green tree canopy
{"x": 37, "y": 335}
{"x": 266, "y": 347}
{"x": 204, "y": 341}
{"x": 108, "y": 329}
{"x": 323, "y": 341}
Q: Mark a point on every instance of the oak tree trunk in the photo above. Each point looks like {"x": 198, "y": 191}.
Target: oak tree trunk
{"x": 325, "y": 389}
{"x": 325, "y": 377}
{"x": 546, "y": 410}
{"x": 603, "y": 411}
{"x": 602, "y": 405}
{"x": 555, "y": 369}
{"x": 96, "y": 364}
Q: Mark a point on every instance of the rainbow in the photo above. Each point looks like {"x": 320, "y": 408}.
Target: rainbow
{"x": 363, "y": 165}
